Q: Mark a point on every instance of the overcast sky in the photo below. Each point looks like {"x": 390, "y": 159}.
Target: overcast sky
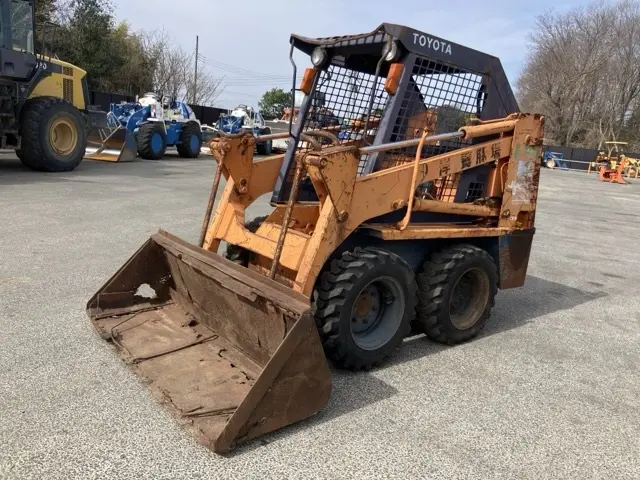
{"x": 253, "y": 35}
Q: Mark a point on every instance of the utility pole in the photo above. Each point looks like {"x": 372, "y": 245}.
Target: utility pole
{"x": 195, "y": 75}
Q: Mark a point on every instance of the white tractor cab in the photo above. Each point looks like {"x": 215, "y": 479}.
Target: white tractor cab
{"x": 171, "y": 111}
{"x": 244, "y": 118}
{"x": 153, "y": 123}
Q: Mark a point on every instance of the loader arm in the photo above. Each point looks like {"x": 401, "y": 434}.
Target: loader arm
{"x": 333, "y": 172}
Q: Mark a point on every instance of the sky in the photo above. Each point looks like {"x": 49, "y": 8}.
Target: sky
{"x": 247, "y": 42}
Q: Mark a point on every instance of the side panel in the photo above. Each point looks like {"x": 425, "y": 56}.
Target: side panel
{"x": 173, "y": 133}
{"x": 513, "y": 257}
{"x": 62, "y": 81}
{"x": 16, "y": 65}
{"x": 50, "y": 85}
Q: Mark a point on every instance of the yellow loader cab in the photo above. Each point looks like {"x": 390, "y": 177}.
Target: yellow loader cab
{"x": 44, "y": 102}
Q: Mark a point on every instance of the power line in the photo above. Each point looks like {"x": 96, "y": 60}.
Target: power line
{"x": 245, "y": 79}
{"x": 242, "y": 71}
{"x": 282, "y": 85}
{"x": 232, "y": 68}
{"x": 231, "y": 92}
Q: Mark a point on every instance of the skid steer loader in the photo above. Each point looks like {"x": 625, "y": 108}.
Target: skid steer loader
{"x": 413, "y": 227}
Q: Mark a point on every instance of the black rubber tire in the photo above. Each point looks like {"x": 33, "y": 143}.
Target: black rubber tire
{"x": 265, "y": 148}
{"x": 240, "y": 255}
{"x": 436, "y": 282}
{"x": 145, "y": 141}
{"x": 335, "y": 295}
{"x": 36, "y": 150}
{"x": 185, "y": 149}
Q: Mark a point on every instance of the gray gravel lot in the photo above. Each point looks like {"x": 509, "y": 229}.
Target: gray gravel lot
{"x": 551, "y": 390}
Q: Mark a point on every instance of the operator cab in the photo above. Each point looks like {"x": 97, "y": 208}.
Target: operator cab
{"x": 17, "y": 26}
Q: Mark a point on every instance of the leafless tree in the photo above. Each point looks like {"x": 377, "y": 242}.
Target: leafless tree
{"x": 583, "y": 73}
{"x": 173, "y": 71}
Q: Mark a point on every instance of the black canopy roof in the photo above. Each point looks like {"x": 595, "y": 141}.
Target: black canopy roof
{"x": 369, "y": 46}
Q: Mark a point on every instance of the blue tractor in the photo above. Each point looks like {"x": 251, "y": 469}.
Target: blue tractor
{"x": 146, "y": 128}
{"x": 243, "y": 118}
{"x": 554, "y": 160}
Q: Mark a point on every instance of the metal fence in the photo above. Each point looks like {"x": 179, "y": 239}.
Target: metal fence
{"x": 579, "y": 158}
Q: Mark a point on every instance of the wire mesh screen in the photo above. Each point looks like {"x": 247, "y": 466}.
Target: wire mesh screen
{"x": 475, "y": 191}
{"x": 443, "y": 189}
{"x": 441, "y": 99}
{"x": 342, "y": 100}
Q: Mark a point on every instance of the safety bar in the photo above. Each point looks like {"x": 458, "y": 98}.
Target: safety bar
{"x": 281, "y": 135}
{"x": 383, "y": 147}
{"x": 464, "y": 133}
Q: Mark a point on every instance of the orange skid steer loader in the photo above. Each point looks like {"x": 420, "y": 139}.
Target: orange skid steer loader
{"x": 370, "y": 236}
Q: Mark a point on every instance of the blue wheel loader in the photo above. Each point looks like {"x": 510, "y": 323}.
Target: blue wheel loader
{"x": 146, "y": 128}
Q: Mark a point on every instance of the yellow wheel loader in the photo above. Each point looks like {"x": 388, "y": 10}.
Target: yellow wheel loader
{"x": 44, "y": 102}
{"x": 612, "y": 161}
{"x": 413, "y": 226}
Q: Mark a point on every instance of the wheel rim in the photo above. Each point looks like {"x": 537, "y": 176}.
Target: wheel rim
{"x": 156, "y": 142}
{"x": 469, "y": 298}
{"x": 194, "y": 143}
{"x": 63, "y": 135}
{"x": 377, "y": 313}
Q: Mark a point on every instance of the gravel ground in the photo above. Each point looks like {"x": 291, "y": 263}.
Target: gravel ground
{"x": 549, "y": 391}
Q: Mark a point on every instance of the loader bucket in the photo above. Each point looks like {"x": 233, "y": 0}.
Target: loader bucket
{"x": 231, "y": 353}
{"x": 118, "y": 146}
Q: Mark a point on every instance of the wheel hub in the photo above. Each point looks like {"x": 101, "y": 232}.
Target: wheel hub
{"x": 377, "y": 312}
{"x": 469, "y": 298}
{"x": 366, "y": 309}
{"x": 63, "y": 136}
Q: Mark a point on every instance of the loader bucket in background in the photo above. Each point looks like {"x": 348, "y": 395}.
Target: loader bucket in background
{"x": 232, "y": 353}
{"x": 118, "y": 146}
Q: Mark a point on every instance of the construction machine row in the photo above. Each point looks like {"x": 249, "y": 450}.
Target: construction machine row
{"x": 409, "y": 223}
{"x": 47, "y": 118}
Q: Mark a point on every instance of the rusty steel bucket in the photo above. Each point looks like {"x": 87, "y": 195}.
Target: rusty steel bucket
{"x": 115, "y": 145}
{"x": 232, "y": 353}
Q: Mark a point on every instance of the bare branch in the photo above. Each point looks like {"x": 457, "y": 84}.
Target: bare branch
{"x": 173, "y": 71}
{"x": 583, "y": 73}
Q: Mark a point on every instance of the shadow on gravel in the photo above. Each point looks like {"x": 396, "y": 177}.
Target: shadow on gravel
{"x": 355, "y": 390}
{"x": 351, "y": 391}
{"x": 514, "y": 308}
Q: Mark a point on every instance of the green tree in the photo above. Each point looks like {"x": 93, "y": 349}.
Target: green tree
{"x": 116, "y": 58}
{"x": 45, "y": 10}
{"x": 132, "y": 75}
{"x": 88, "y": 42}
{"x": 113, "y": 56}
{"x": 273, "y": 102}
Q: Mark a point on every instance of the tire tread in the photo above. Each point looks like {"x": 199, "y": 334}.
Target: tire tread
{"x": 433, "y": 285}
{"x": 330, "y": 296}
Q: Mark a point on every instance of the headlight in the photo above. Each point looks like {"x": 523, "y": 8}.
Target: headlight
{"x": 319, "y": 56}
{"x": 390, "y": 51}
